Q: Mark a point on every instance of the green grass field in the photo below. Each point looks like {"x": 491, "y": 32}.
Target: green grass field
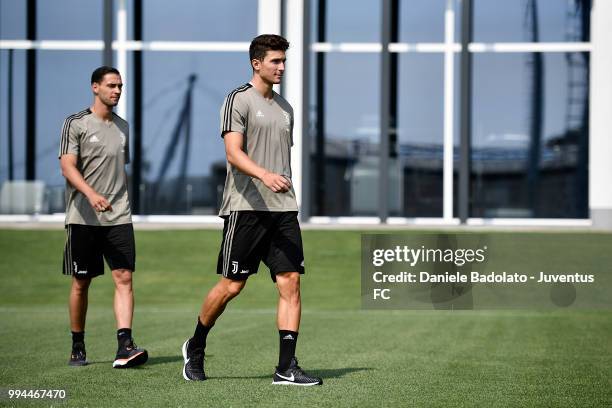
{"x": 526, "y": 358}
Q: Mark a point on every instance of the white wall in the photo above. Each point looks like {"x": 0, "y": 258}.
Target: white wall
{"x": 600, "y": 143}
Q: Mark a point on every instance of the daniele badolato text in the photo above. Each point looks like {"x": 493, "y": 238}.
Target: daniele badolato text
{"x": 477, "y": 277}
{"x": 416, "y": 257}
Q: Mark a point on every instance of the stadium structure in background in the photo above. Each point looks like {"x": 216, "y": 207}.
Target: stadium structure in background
{"x": 444, "y": 112}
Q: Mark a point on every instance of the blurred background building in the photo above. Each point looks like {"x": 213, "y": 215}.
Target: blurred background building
{"x": 406, "y": 111}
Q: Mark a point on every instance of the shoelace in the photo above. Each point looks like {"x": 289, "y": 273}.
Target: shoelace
{"x": 130, "y": 345}
{"x": 197, "y": 362}
{"x": 197, "y": 359}
{"x": 297, "y": 370}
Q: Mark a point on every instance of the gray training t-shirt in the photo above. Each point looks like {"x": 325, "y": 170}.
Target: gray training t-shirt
{"x": 267, "y": 127}
{"x": 102, "y": 150}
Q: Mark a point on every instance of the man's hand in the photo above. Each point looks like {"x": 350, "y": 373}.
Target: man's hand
{"x": 99, "y": 203}
{"x": 240, "y": 160}
{"x": 68, "y": 163}
{"x": 276, "y": 182}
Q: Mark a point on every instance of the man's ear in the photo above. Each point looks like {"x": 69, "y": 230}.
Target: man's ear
{"x": 255, "y": 64}
{"x": 94, "y": 87}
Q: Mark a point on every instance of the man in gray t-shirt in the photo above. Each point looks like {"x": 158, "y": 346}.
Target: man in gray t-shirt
{"x": 102, "y": 150}
{"x": 93, "y": 154}
{"x": 266, "y": 126}
{"x": 259, "y": 210}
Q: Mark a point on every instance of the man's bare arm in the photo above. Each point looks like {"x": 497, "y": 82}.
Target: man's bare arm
{"x": 240, "y": 160}
{"x": 68, "y": 163}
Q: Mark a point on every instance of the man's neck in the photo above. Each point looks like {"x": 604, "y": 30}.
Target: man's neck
{"x": 262, "y": 87}
{"x": 102, "y": 111}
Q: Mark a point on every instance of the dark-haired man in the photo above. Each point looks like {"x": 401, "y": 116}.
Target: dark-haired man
{"x": 93, "y": 154}
{"x": 259, "y": 210}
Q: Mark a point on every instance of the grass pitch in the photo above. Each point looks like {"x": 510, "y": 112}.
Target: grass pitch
{"x": 366, "y": 358}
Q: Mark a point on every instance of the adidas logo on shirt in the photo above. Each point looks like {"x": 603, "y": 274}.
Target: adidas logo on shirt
{"x": 94, "y": 139}
{"x": 259, "y": 114}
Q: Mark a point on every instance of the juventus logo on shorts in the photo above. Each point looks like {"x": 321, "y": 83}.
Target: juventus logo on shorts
{"x": 234, "y": 267}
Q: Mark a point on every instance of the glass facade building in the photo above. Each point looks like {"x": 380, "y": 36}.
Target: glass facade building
{"x": 440, "y": 111}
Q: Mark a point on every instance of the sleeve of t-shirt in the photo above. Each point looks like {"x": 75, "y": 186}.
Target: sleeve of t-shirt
{"x": 234, "y": 113}
{"x": 70, "y": 138}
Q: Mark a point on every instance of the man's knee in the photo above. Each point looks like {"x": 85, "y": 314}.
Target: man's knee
{"x": 80, "y": 285}
{"x": 233, "y": 288}
{"x": 288, "y": 283}
{"x": 289, "y": 280}
{"x": 122, "y": 277}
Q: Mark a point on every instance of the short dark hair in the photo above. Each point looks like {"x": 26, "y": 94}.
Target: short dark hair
{"x": 99, "y": 73}
{"x": 266, "y": 42}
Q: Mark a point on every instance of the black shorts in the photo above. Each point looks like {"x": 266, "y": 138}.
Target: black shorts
{"x": 253, "y": 236}
{"x": 87, "y": 246}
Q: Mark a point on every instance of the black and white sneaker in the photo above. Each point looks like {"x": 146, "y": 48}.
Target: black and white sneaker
{"x": 129, "y": 355}
{"x": 78, "y": 357}
{"x": 294, "y": 375}
{"x": 193, "y": 368}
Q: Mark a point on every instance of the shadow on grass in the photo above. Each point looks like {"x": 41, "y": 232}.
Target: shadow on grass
{"x": 164, "y": 359}
{"x": 96, "y": 362}
{"x": 151, "y": 361}
{"x": 323, "y": 373}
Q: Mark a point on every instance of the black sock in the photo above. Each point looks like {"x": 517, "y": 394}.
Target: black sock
{"x": 78, "y": 337}
{"x": 124, "y": 336}
{"x": 288, "y": 341}
{"x": 199, "y": 336}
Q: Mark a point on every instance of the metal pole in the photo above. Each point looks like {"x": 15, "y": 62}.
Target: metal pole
{"x": 282, "y": 30}
{"x": 137, "y": 113}
{"x": 466, "y": 112}
{"x": 306, "y": 179}
{"x": 385, "y": 111}
{"x": 108, "y": 33}
{"x": 30, "y": 150}
{"x": 394, "y": 81}
{"x": 536, "y": 102}
{"x": 184, "y": 164}
{"x": 582, "y": 170}
{"x": 319, "y": 173}
{"x": 9, "y": 119}
{"x": 449, "y": 108}
{"x": 122, "y": 56}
